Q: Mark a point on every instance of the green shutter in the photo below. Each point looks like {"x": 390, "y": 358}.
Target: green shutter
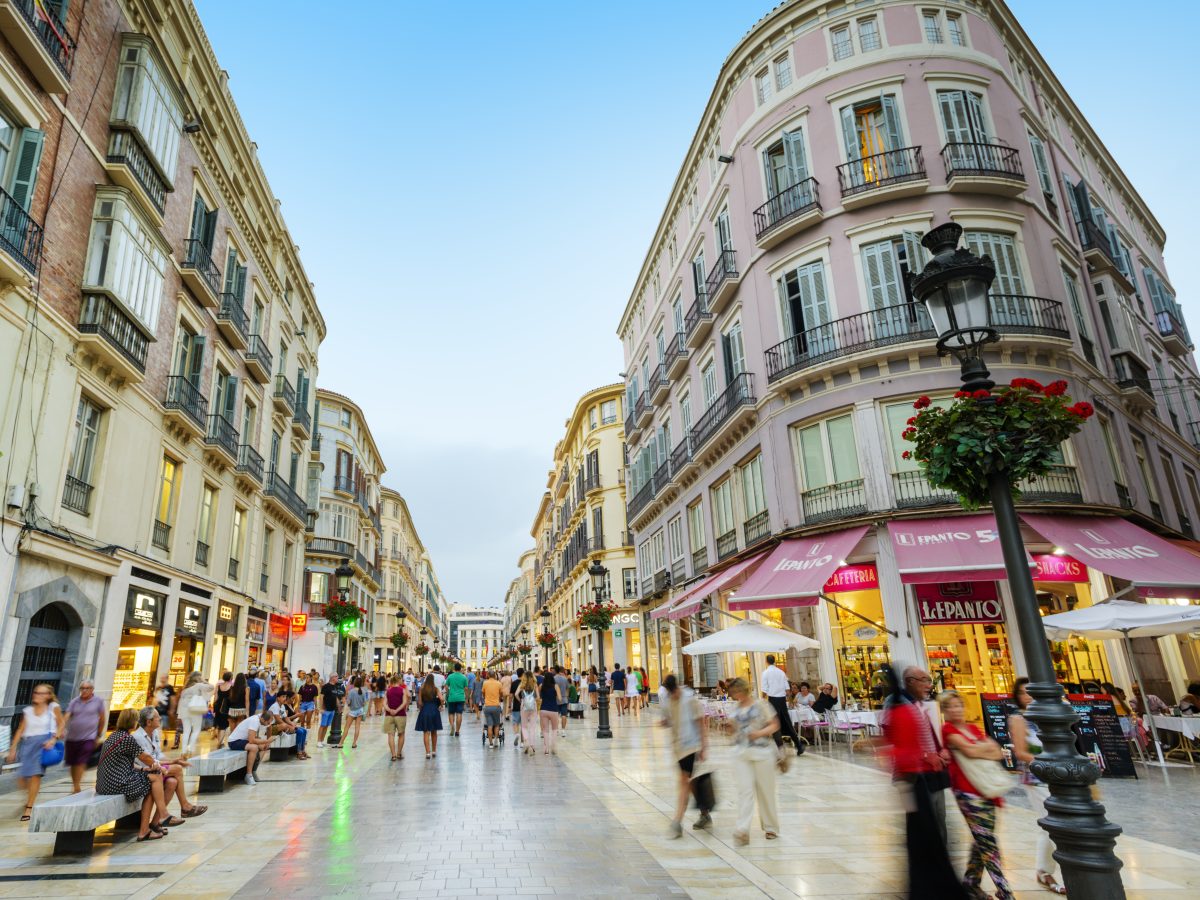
{"x": 891, "y": 123}
{"x": 793, "y": 154}
{"x": 198, "y": 219}
{"x": 850, "y": 134}
{"x": 882, "y": 275}
{"x": 230, "y": 408}
{"x": 975, "y": 116}
{"x": 196, "y": 368}
{"x": 24, "y": 177}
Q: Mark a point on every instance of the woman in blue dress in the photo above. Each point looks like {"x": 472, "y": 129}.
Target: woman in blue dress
{"x": 429, "y": 719}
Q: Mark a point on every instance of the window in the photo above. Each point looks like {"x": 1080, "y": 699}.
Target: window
{"x": 657, "y": 559}
{"x": 591, "y": 418}
{"x": 203, "y": 230}
{"x": 827, "y": 453}
{"x": 20, "y": 154}
{"x": 629, "y": 583}
{"x": 675, "y": 538}
{"x": 644, "y": 561}
{"x": 842, "y": 46}
{"x": 224, "y": 402}
{"x": 685, "y": 412}
{"x": 708, "y": 380}
{"x": 753, "y": 498}
{"x": 1042, "y": 164}
{"x": 962, "y": 118}
{"x": 1168, "y": 466}
{"x": 695, "y": 515}
{"x": 932, "y": 25}
{"x": 783, "y": 71}
{"x": 78, "y": 490}
{"x": 235, "y": 277}
{"x": 954, "y": 27}
{"x": 608, "y": 412}
{"x": 1002, "y": 248}
{"x": 1143, "y": 463}
{"x": 125, "y": 260}
{"x": 895, "y": 419}
{"x": 145, "y": 103}
{"x": 733, "y": 352}
{"x": 264, "y": 568}
{"x": 208, "y": 503}
{"x": 869, "y": 129}
{"x": 345, "y": 420}
{"x": 722, "y": 502}
{"x": 804, "y": 304}
{"x": 1085, "y": 332}
{"x": 165, "y": 513}
{"x": 868, "y": 34}
{"x": 786, "y": 166}
{"x": 1110, "y": 446}
{"x": 762, "y": 86}
{"x": 236, "y": 541}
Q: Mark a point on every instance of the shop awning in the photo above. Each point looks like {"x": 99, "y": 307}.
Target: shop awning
{"x": 795, "y": 572}
{"x": 689, "y": 601}
{"x": 958, "y": 548}
{"x": 1121, "y": 549}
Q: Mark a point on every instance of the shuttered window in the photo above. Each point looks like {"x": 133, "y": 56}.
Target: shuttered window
{"x": 962, "y": 116}
{"x": 881, "y": 272}
{"x": 1042, "y": 164}
{"x": 804, "y": 303}
{"x": 753, "y": 496}
{"x": 1002, "y": 249}
{"x": 827, "y": 452}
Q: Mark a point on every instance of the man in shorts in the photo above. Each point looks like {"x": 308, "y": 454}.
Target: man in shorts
{"x": 471, "y": 677}
{"x": 332, "y": 693}
{"x": 617, "y": 681}
{"x": 491, "y": 708}
{"x": 564, "y": 691}
{"x": 456, "y": 698}
{"x": 395, "y": 716}
{"x": 247, "y": 736}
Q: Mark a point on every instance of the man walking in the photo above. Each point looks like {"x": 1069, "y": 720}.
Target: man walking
{"x": 618, "y": 689}
{"x": 331, "y": 703}
{"x": 564, "y": 686}
{"x": 456, "y": 698}
{"x": 774, "y": 685}
{"x": 491, "y": 707}
{"x": 471, "y": 691}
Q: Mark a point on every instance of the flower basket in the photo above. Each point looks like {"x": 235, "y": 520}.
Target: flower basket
{"x": 547, "y": 639}
{"x": 421, "y": 649}
{"x": 1017, "y": 429}
{"x": 399, "y": 640}
{"x": 523, "y": 649}
{"x": 597, "y": 616}
{"x": 338, "y": 612}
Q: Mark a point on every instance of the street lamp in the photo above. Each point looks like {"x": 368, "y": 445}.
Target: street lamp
{"x": 599, "y": 576}
{"x": 525, "y": 638}
{"x": 343, "y": 574}
{"x": 402, "y": 652}
{"x": 546, "y": 630}
{"x": 954, "y": 287}
{"x": 424, "y": 633}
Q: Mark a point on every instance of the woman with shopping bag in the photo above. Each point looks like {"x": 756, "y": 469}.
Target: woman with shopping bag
{"x": 754, "y": 722}
{"x": 689, "y": 745}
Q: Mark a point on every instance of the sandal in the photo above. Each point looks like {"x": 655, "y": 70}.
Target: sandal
{"x": 150, "y": 836}
{"x": 25, "y": 818}
{"x": 171, "y": 822}
{"x": 1046, "y": 880}
{"x": 196, "y": 810}
{"x": 771, "y": 835}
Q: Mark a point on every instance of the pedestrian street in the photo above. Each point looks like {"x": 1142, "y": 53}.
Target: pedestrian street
{"x": 591, "y": 821}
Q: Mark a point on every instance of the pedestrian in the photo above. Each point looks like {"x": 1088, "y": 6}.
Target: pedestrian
{"x": 221, "y": 697}
{"x": 961, "y": 737}
{"x": 308, "y": 700}
{"x": 475, "y": 691}
{"x": 357, "y": 704}
{"x": 395, "y": 716}
{"x": 429, "y": 716}
{"x": 456, "y": 698}
{"x": 489, "y": 691}
{"x": 270, "y": 692}
{"x": 514, "y": 705}
{"x": 644, "y": 686}
{"x": 548, "y": 715}
{"x": 381, "y": 688}
{"x": 529, "y": 702}
{"x": 472, "y": 679}
{"x": 254, "y": 689}
{"x": 41, "y": 728}
{"x": 774, "y": 683}
{"x": 919, "y": 766}
{"x": 332, "y": 693}
{"x": 239, "y": 701}
{"x": 754, "y": 722}
{"x": 439, "y": 680}
{"x": 116, "y": 774}
{"x": 564, "y": 693}
{"x": 193, "y": 705}
{"x": 617, "y": 683}
{"x": 632, "y": 691}
{"x": 683, "y": 714}
{"x": 260, "y": 679}
{"x": 165, "y": 700}
{"x": 1027, "y": 744}
{"x": 84, "y": 727}
{"x": 593, "y": 686}
{"x": 284, "y": 711}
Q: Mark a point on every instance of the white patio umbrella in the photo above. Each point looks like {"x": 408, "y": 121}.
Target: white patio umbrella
{"x": 750, "y": 637}
{"x": 1124, "y": 619}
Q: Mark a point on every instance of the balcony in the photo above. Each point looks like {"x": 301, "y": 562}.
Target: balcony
{"x": 249, "y": 469}
{"x": 231, "y": 321}
{"x": 738, "y": 396}
{"x": 882, "y": 176}
{"x": 660, "y": 384}
{"x": 644, "y": 495}
{"x": 284, "y": 396}
{"x": 699, "y": 560}
{"x": 185, "y": 405}
{"x": 834, "y": 501}
{"x": 264, "y": 582}
{"x": 344, "y": 484}
{"x": 676, "y": 355}
{"x": 722, "y": 281}
{"x": 1133, "y": 382}
{"x": 626, "y": 538}
{"x": 983, "y": 168}
{"x": 591, "y": 483}
{"x": 232, "y": 570}
{"x": 41, "y": 41}
{"x": 787, "y": 213}
{"x": 108, "y": 333}
{"x": 20, "y": 240}
{"x": 679, "y": 571}
{"x": 595, "y": 544}
{"x": 643, "y": 411}
{"x": 1123, "y": 497}
{"x": 1022, "y": 314}
{"x": 756, "y": 528}
{"x": 1173, "y": 332}
{"x": 77, "y": 496}
{"x": 631, "y": 426}
{"x": 200, "y": 274}
{"x": 681, "y": 455}
{"x": 222, "y": 437}
{"x": 284, "y": 498}
{"x": 1060, "y": 484}
{"x": 301, "y": 422}
{"x": 202, "y": 554}
{"x": 259, "y": 361}
{"x": 727, "y": 544}
{"x": 661, "y": 477}
{"x": 913, "y": 491}
{"x": 330, "y": 547}
{"x": 129, "y": 165}
{"x": 698, "y": 322}
{"x": 315, "y": 446}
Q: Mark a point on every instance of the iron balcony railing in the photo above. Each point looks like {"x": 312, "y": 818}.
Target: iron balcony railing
{"x": 125, "y": 149}
{"x": 331, "y": 547}
{"x": 257, "y": 350}
{"x": 699, "y": 312}
{"x": 834, "y": 501}
{"x": 316, "y": 442}
{"x": 626, "y": 538}
{"x": 250, "y": 462}
{"x": 699, "y": 560}
{"x": 595, "y": 544}
{"x": 1129, "y": 374}
{"x": 161, "y": 538}
{"x": 77, "y": 495}
{"x": 1123, "y": 496}
{"x": 983, "y": 160}
{"x": 221, "y": 433}
{"x": 676, "y": 347}
{"x": 724, "y": 267}
{"x": 20, "y": 235}
{"x": 302, "y": 418}
{"x": 790, "y": 203}
{"x": 682, "y": 454}
{"x": 727, "y": 544}
{"x": 1092, "y": 237}
{"x": 231, "y": 310}
{"x": 912, "y": 489}
{"x": 1023, "y": 314}
{"x": 592, "y": 482}
{"x": 662, "y": 476}
{"x": 51, "y": 31}
{"x": 643, "y": 401}
{"x": 644, "y": 495}
{"x": 197, "y": 256}
{"x": 100, "y": 315}
{"x": 232, "y": 571}
{"x": 202, "y": 554}
{"x": 1169, "y": 324}
{"x": 658, "y": 377}
{"x": 1058, "y": 484}
{"x": 881, "y": 170}
{"x": 278, "y": 488}
{"x": 739, "y": 393}
{"x": 345, "y": 485}
{"x": 185, "y": 396}
{"x": 756, "y": 528}
{"x": 285, "y": 392}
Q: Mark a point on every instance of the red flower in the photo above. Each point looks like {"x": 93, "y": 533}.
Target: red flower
{"x": 912, "y": 420}
{"x": 907, "y": 454}
{"x": 922, "y": 402}
{"x": 981, "y": 394}
{"x": 1082, "y": 409}
{"x": 909, "y": 433}
{"x": 1055, "y": 389}
{"x": 1027, "y": 383}
{"x": 959, "y": 395}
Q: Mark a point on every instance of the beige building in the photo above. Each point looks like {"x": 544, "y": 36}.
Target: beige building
{"x": 402, "y": 589}
{"x": 519, "y": 598}
{"x": 581, "y": 518}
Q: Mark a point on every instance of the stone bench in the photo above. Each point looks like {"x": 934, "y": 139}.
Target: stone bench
{"x": 283, "y": 747}
{"x": 214, "y": 767}
{"x": 75, "y": 818}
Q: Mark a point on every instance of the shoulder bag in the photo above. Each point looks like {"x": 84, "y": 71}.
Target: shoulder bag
{"x": 988, "y": 776}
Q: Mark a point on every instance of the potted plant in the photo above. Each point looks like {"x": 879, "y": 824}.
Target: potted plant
{"x": 399, "y": 640}
{"x": 337, "y": 612}
{"x": 547, "y": 639}
{"x": 422, "y": 649}
{"x": 597, "y": 616}
{"x": 523, "y": 649}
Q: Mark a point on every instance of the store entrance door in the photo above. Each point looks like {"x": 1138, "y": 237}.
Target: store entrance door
{"x": 45, "y": 652}
{"x": 972, "y": 659}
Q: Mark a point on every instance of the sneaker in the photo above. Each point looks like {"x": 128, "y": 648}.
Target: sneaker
{"x": 250, "y": 780}
{"x": 702, "y": 823}
{"x": 676, "y": 830}
{"x": 320, "y": 743}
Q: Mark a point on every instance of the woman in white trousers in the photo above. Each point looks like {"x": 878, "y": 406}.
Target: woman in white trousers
{"x": 193, "y": 704}
{"x": 754, "y": 721}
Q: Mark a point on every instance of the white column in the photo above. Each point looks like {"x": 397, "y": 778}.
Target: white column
{"x": 905, "y": 647}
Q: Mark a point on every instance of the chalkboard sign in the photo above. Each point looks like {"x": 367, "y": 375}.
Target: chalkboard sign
{"x": 996, "y": 710}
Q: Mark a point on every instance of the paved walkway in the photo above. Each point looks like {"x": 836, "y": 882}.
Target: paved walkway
{"x": 590, "y": 821}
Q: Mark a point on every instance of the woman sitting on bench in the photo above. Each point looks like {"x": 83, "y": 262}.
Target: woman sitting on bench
{"x": 115, "y": 774}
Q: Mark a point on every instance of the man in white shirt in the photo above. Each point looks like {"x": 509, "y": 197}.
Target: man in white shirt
{"x": 246, "y": 737}
{"x": 439, "y": 680}
{"x": 147, "y": 736}
{"x": 774, "y": 685}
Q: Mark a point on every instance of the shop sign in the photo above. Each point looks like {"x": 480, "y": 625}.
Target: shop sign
{"x": 277, "y": 635}
{"x": 959, "y": 603}
{"x": 143, "y": 609}
{"x": 256, "y": 628}
{"x": 1168, "y": 593}
{"x": 192, "y": 620}
{"x": 227, "y": 617}
{"x": 1055, "y": 567}
{"x": 853, "y": 578}
{"x": 299, "y": 623}
{"x": 866, "y": 633}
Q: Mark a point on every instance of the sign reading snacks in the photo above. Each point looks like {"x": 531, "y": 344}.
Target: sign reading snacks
{"x": 959, "y": 603}
{"x": 1053, "y": 567}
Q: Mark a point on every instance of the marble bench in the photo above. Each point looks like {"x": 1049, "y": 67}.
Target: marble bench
{"x": 215, "y": 766}
{"x": 76, "y": 817}
{"x": 283, "y": 747}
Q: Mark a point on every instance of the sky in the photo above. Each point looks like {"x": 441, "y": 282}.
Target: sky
{"x": 473, "y": 186}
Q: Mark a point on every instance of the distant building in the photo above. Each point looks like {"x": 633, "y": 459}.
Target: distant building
{"x": 476, "y": 634}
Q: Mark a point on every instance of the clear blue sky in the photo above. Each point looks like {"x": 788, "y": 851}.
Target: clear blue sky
{"x": 473, "y": 186}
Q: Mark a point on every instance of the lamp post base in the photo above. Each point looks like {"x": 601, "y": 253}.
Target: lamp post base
{"x": 335, "y": 730}
{"x": 603, "y": 731}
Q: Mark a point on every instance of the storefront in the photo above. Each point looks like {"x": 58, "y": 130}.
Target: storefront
{"x": 256, "y": 638}
{"x": 187, "y": 652}
{"x": 223, "y": 657}
{"x": 137, "y": 656}
{"x": 860, "y": 638}
{"x": 279, "y": 629}
{"x": 1063, "y": 584}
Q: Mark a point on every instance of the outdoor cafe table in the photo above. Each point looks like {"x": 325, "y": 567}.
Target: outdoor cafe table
{"x": 1187, "y": 726}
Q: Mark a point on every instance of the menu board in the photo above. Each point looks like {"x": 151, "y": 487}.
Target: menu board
{"x": 996, "y": 710}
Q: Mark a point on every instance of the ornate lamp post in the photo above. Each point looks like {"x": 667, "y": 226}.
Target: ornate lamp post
{"x": 599, "y": 575}
{"x": 402, "y": 652}
{"x": 954, "y": 287}
{"x": 546, "y": 630}
{"x": 343, "y": 573}
{"x": 525, "y": 638}
{"x": 424, "y": 634}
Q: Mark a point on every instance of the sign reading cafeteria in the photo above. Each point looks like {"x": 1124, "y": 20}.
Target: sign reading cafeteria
{"x": 959, "y": 603}
{"x": 853, "y": 578}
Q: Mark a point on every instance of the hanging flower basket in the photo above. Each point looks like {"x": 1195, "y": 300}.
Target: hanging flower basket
{"x": 597, "y": 616}
{"x": 421, "y": 649}
{"x": 547, "y": 639}
{"x": 399, "y": 640}
{"x": 338, "y": 612}
{"x": 523, "y": 649}
{"x": 1016, "y": 429}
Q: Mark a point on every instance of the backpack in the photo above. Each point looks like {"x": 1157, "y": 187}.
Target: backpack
{"x": 528, "y": 702}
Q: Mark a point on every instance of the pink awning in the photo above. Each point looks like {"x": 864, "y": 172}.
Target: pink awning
{"x": 796, "y": 571}
{"x": 689, "y": 601}
{"x": 961, "y": 548}
{"x": 1120, "y": 549}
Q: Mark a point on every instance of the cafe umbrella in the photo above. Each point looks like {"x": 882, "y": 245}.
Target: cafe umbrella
{"x": 1115, "y": 619}
{"x": 750, "y": 637}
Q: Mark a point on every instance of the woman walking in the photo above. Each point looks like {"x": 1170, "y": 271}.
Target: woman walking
{"x": 593, "y": 686}
{"x": 1026, "y": 744}
{"x": 689, "y": 743}
{"x": 239, "y": 701}
{"x": 754, "y": 721}
{"x": 643, "y": 686}
{"x": 221, "y": 709}
{"x": 551, "y": 698}
{"x": 40, "y": 728}
{"x": 193, "y": 704}
{"x": 960, "y": 736}
{"x": 529, "y": 702}
{"x": 308, "y": 700}
{"x": 356, "y": 708}
{"x": 429, "y": 717}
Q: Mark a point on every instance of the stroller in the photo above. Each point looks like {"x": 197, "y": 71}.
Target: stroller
{"x": 499, "y": 732}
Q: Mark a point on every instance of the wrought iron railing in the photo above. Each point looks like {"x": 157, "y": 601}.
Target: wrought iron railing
{"x": 344, "y": 484}
{"x": 723, "y": 268}
{"x": 250, "y": 462}
{"x": 277, "y": 487}
{"x": 51, "y": 31}
{"x": 592, "y": 482}
{"x": 1169, "y": 324}
{"x": 20, "y": 235}
{"x": 1059, "y": 483}
{"x": 1092, "y": 237}
{"x": 881, "y": 170}
{"x": 913, "y": 489}
{"x": 161, "y": 537}
{"x": 197, "y": 256}
{"x": 756, "y": 528}
{"x": 626, "y": 538}
{"x": 331, "y": 547}
{"x": 185, "y": 396}
{"x": 221, "y": 433}
{"x": 1129, "y": 374}
{"x": 658, "y": 378}
{"x": 77, "y": 495}
{"x": 681, "y": 454}
{"x": 301, "y": 418}
{"x": 257, "y": 351}
{"x": 642, "y": 406}
{"x": 662, "y": 475}
{"x": 100, "y": 315}
{"x": 125, "y": 149}
{"x": 231, "y": 310}
{"x": 202, "y": 554}
{"x": 699, "y": 560}
{"x": 834, "y": 501}
{"x": 643, "y": 496}
{"x": 983, "y": 160}
{"x": 1023, "y": 314}
{"x": 727, "y": 544}
{"x": 676, "y": 348}
{"x": 739, "y": 393}
{"x": 285, "y": 392}
{"x": 697, "y": 313}
{"x": 790, "y": 203}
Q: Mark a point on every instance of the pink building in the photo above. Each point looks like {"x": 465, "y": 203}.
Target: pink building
{"x": 773, "y": 350}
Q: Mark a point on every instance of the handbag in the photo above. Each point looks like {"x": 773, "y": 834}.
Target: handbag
{"x": 988, "y": 776}
{"x": 54, "y": 755}
{"x": 197, "y": 704}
